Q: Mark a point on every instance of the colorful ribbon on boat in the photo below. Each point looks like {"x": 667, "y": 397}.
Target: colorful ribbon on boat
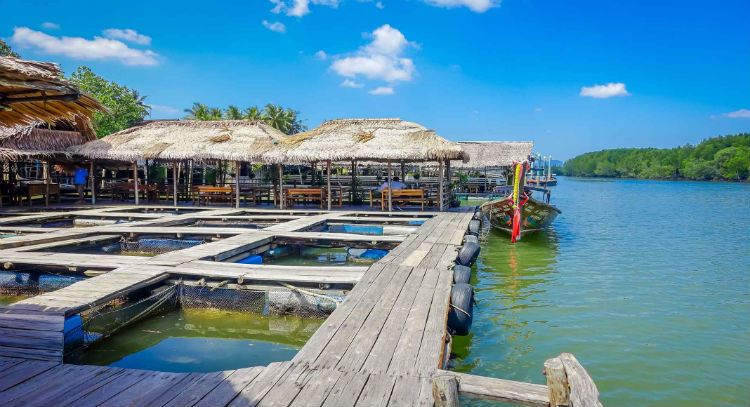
{"x": 520, "y": 170}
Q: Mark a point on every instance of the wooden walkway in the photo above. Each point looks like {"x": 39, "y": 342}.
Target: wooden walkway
{"x": 379, "y": 347}
{"x": 382, "y": 346}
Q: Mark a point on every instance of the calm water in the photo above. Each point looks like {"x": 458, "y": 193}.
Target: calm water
{"x": 646, "y": 282}
{"x": 198, "y": 340}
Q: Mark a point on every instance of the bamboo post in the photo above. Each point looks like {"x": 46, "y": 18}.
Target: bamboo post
{"x": 46, "y": 184}
{"x": 445, "y": 391}
{"x": 328, "y": 183}
{"x": 92, "y": 171}
{"x": 281, "y": 186}
{"x": 440, "y": 185}
{"x": 175, "y": 166}
{"x": 237, "y": 185}
{"x": 390, "y": 179}
{"x": 135, "y": 180}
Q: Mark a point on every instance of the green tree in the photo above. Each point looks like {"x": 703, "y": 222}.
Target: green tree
{"x": 199, "y": 111}
{"x": 125, "y": 107}
{"x": 252, "y": 113}
{"x": 7, "y": 51}
{"x": 233, "y": 113}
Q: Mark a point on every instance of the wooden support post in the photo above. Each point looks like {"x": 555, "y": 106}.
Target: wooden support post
{"x": 445, "y": 391}
{"x": 237, "y": 184}
{"x": 92, "y": 172}
{"x": 175, "y": 179}
{"x": 403, "y": 171}
{"x": 353, "y": 193}
{"x": 328, "y": 183}
{"x": 441, "y": 192}
{"x": 47, "y": 174}
{"x": 135, "y": 180}
{"x": 557, "y": 383}
{"x": 390, "y": 178}
{"x": 583, "y": 391}
{"x": 281, "y": 186}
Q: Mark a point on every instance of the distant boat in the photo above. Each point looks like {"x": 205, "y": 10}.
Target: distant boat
{"x": 544, "y": 181}
{"x": 518, "y": 213}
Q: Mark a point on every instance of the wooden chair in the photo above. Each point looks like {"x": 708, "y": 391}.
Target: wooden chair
{"x": 402, "y": 196}
{"x": 303, "y": 194}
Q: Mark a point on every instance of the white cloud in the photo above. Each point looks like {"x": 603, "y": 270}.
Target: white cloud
{"x": 97, "y": 48}
{"x": 478, "y": 6}
{"x": 299, "y": 8}
{"x": 379, "y": 4}
{"x": 381, "y": 59}
{"x": 348, "y": 83}
{"x": 321, "y": 55}
{"x": 275, "y": 26}
{"x": 609, "y": 90}
{"x": 738, "y": 114}
{"x": 538, "y": 109}
{"x": 50, "y": 26}
{"x": 128, "y": 35}
{"x": 382, "y": 90}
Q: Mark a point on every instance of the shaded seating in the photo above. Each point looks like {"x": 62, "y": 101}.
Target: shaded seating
{"x": 209, "y": 194}
{"x": 402, "y": 196}
{"x": 32, "y": 189}
{"x": 304, "y": 195}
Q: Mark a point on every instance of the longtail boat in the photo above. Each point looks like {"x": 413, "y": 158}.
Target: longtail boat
{"x": 519, "y": 213}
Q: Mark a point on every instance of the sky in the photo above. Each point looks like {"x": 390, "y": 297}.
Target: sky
{"x": 572, "y": 76}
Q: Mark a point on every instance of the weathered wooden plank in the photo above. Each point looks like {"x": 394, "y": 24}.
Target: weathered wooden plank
{"x": 500, "y": 389}
{"x": 377, "y": 391}
{"x": 315, "y": 391}
{"x": 251, "y": 395}
{"x": 583, "y": 391}
{"x": 228, "y": 388}
{"x": 140, "y": 393}
{"x": 101, "y": 394}
{"x": 347, "y": 390}
{"x": 21, "y": 372}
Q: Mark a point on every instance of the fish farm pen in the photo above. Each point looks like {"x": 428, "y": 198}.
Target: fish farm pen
{"x": 104, "y": 305}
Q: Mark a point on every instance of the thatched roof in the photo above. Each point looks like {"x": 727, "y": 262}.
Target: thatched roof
{"x": 33, "y": 91}
{"x": 367, "y": 140}
{"x": 41, "y": 139}
{"x": 239, "y": 140}
{"x": 489, "y": 154}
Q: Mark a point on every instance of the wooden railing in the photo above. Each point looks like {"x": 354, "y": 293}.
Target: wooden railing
{"x": 568, "y": 384}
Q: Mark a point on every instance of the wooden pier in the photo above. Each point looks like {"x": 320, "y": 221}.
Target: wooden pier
{"x": 386, "y": 344}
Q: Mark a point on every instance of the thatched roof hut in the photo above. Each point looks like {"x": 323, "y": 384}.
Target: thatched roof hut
{"x": 44, "y": 140}
{"x": 494, "y": 154}
{"x": 33, "y": 91}
{"x": 367, "y": 140}
{"x": 173, "y": 140}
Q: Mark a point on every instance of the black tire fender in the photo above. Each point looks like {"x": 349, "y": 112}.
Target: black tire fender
{"x": 461, "y": 274}
{"x": 462, "y": 309}
{"x": 468, "y": 254}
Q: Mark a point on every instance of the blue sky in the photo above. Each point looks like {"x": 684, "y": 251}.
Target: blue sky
{"x": 573, "y": 76}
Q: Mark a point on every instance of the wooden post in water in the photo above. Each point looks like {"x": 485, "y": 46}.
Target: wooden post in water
{"x": 445, "y": 391}
{"x": 281, "y": 186}
{"x": 92, "y": 172}
{"x": 135, "y": 180}
{"x": 175, "y": 166}
{"x": 237, "y": 184}
{"x": 557, "y": 383}
{"x": 441, "y": 192}
{"x": 569, "y": 384}
{"x": 47, "y": 174}
{"x": 390, "y": 178}
{"x": 328, "y": 182}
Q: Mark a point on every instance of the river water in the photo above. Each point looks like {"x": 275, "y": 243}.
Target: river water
{"x": 646, "y": 282}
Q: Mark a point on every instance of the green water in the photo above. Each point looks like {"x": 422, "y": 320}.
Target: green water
{"x": 646, "y": 282}
{"x": 197, "y": 340}
{"x": 10, "y": 299}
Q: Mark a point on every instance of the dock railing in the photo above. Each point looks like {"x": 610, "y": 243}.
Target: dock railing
{"x": 568, "y": 384}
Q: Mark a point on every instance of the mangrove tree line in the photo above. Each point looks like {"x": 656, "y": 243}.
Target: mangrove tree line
{"x": 717, "y": 158}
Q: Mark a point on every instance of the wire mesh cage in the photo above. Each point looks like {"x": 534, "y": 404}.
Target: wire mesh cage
{"x": 32, "y": 282}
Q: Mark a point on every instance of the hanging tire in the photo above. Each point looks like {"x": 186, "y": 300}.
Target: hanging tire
{"x": 474, "y": 226}
{"x": 461, "y": 274}
{"x": 477, "y": 214}
{"x": 471, "y": 239}
{"x": 462, "y": 309}
{"x": 468, "y": 254}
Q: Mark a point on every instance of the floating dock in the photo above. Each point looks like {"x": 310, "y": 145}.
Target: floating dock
{"x": 387, "y": 343}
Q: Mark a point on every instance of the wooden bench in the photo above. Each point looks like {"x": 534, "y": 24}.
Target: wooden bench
{"x": 402, "y": 196}
{"x": 209, "y": 194}
{"x": 303, "y": 194}
{"x": 36, "y": 188}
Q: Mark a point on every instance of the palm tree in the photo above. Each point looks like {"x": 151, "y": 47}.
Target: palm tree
{"x": 233, "y": 113}
{"x": 214, "y": 113}
{"x": 199, "y": 111}
{"x": 295, "y": 125}
{"x": 275, "y": 117}
{"x": 253, "y": 113}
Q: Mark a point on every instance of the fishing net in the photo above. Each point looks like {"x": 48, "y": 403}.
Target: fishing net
{"x": 155, "y": 246}
{"x": 32, "y": 282}
{"x": 276, "y": 301}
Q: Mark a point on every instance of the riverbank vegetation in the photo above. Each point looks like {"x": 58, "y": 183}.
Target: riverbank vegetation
{"x": 717, "y": 158}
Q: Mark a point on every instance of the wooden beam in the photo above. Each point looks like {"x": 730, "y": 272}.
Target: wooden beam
{"x": 445, "y": 391}
{"x": 237, "y": 184}
{"x": 328, "y": 182}
{"x": 390, "y": 178}
{"x": 500, "y": 389}
{"x": 557, "y": 383}
{"x": 175, "y": 167}
{"x": 583, "y": 391}
{"x": 135, "y": 180}
{"x": 92, "y": 175}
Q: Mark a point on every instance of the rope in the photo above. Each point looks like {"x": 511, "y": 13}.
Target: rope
{"x": 293, "y": 288}
{"x": 462, "y": 310}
